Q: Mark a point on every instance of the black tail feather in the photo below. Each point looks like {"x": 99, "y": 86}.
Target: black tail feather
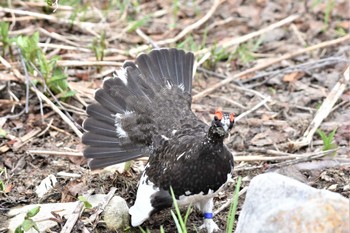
{"x": 98, "y": 140}
{"x": 101, "y": 113}
{"x": 108, "y": 152}
{"x": 99, "y": 127}
{"x": 134, "y": 90}
{"x": 105, "y": 162}
{"x": 107, "y": 101}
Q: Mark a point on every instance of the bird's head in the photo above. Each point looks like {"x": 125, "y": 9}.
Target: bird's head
{"x": 221, "y": 125}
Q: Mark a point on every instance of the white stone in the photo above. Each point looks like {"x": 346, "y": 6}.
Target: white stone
{"x": 278, "y": 204}
{"x": 116, "y": 214}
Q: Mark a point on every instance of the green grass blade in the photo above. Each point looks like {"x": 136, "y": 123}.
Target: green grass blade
{"x": 178, "y": 226}
{"x": 233, "y": 207}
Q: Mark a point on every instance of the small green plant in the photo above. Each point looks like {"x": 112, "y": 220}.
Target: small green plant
{"x": 176, "y": 8}
{"x": 188, "y": 44}
{"x": 245, "y": 51}
{"x": 133, "y": 25}
{"x": 180, "y": 222}
{"x": 28, "y": 222}
{"x": 99, "y": 46}
{"x": 2, "y": 183}
{"x": 328, "y": 140}
{"x": 86, "y": 203}
{"x": 54, "y": 77}
{"x": 233, "y": 207}
{"x": 5, "y": 39}
{"x": 2, "y": 186}
{"x": 340, "y": 31}
{"x": 218, "y": 54}
{"x": 330, "y": 4}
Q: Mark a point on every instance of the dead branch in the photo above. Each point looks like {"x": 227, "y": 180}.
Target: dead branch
{"x": 209, "y": 90}
{"x": 323, "y": 111}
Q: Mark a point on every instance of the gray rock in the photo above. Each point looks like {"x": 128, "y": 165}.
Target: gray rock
{"x": 278, "y": 204}
{"x": 116, "y": 214}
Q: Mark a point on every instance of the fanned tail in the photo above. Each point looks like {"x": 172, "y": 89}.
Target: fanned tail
{"x": 120, "y": 125}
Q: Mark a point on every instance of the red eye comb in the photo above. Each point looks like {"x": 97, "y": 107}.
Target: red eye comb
{"x": 218, "y": 114}
{"x": 232, "y": 117}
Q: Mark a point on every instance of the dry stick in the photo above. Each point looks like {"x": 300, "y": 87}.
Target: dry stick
{"x": 58, "y": 37}
{"x": 249, "y": 36}
{"x": 89, "y": 63}
{"x": 57, "y": 110}
{"x": 294, "y": 157}
{"x": 24, "y": 139}
{"x": 324, "y": 110}
{"x": 66, "y": 47}
{"x": 184, "y": 32}
{"x": 84, "y": 26}
{"x": 67, "y": 228}
{"x": 228, "y": 202}
{"x": 73, "y": 63}
{"x": 49, "y": 152}
{"x": 264, "y": 101}
{"x": 267, "y": 64}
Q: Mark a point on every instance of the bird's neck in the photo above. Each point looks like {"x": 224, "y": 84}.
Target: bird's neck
{"x": 214, "y": 136}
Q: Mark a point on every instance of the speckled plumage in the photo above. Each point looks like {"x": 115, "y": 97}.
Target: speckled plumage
{"x": 146, "y": 110}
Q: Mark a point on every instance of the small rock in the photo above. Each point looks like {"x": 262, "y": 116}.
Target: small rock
{"x": 116, "y": 214}
{"x": 276, "y": 204}
{"x": 333, "y": 187}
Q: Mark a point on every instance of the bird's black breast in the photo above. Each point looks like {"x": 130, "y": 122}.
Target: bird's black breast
{"x": 190, "y": 166}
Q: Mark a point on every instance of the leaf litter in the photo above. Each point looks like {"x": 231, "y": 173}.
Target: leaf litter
{"x": 40, "y": 143}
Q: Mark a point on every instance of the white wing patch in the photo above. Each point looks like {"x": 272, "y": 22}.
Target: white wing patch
{"x": 121, "y": 73}
{"x": 119, "y": 130}
{"x": 142, "y": 208}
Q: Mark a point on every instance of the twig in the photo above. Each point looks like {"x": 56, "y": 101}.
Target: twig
{"x": 47, "y": 128}
{"x": 67, "y": 228}
{"x": 49, "y": 152}
{"x": 146, "y": 38}
{"x": 236, "y": 41}
{"x": 267, "y": 64}
{"x": 298, "y": 34}
{"x": 27, "y": 80}
{"x": 300, "y": 67}
{"x": 58, "y": 37}
{"x": 264, "y": 101}
{"x": 228, "y": 202}
{"x": 65, "y": 47}
{"x": 323, "y": 111}
{"x": 24, "y": 139}
{"x": 300, "y": 160}
{"x": 184, "y": 32}
{"x": 295, "y": 157}
{"x": 59, "y": 112}
{"x": 89, "y": 63}
{"x": 84, "y": 26}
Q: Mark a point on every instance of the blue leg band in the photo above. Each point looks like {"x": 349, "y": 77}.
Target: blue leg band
{"x": 208, "y": 215}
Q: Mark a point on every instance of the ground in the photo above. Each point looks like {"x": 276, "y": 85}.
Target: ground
{"x": 282, "y": 57}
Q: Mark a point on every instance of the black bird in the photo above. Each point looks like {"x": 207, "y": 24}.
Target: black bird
{"x": 145, "y": 110}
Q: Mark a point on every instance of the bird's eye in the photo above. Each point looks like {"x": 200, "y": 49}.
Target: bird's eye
{"x": 218, "y": 115}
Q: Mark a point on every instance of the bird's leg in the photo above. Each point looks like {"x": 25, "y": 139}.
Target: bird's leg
{"x": 206, "y": 206}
